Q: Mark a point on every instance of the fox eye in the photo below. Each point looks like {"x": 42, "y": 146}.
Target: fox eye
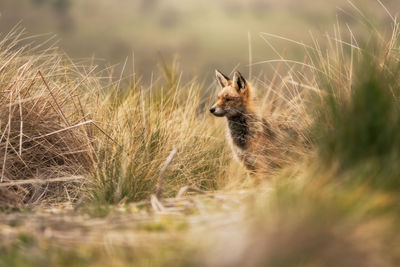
{"x": 228, "y": 99}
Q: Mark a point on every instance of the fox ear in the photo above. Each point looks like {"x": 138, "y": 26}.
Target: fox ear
{"x": 222, "y": 79}
{"x": 239, "y": 82}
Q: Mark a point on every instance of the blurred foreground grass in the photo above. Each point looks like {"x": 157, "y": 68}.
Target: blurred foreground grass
{"x": 335, "y": 206}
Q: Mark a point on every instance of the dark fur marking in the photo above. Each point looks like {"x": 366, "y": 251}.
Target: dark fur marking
{"x": 239, "y": 129}
{"x": 222, "y": 84}
{"x": 241, "y": 82}
{"x": 226, "y": 77}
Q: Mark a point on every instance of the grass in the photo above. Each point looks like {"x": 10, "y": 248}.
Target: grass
{"x": 335, "y": 205}
{"x": 61, "y": 123}
{"x": 357, "y": 130}
{"x": 145, "y": 125}
{"x": 43, "y": 134}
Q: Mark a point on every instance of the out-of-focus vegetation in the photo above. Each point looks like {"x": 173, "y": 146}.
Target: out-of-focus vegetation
{"x": 204, "y": 34}
{"x": 358, "y": 129}
{"x": 336, "y": 205}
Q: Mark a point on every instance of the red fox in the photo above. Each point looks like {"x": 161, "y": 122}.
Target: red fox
{"x": 259, "y": 144}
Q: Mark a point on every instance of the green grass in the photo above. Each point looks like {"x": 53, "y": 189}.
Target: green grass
{"x": 358, "y": 128}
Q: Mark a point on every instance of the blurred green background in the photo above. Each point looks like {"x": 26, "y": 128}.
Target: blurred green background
{"x": 203, "y": 34}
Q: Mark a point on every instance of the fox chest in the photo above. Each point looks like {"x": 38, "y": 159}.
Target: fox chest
{"x": 239, "y": 143}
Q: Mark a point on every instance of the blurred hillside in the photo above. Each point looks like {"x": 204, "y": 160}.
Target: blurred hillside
{"x": 205, "y": 34}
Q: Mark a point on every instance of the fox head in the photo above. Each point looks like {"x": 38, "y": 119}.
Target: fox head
{"x": 234, "y": 96}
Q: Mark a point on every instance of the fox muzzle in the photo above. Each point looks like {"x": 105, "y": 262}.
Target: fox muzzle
{"x": 219, "y": 112}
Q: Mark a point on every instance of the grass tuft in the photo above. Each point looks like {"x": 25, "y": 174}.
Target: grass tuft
{"x": 359, "y": 126}
{"x": 145, "y": 126}
{"x": 43, "y": 126}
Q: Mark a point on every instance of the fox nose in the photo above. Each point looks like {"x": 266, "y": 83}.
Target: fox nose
{"x": 212, "y": 110}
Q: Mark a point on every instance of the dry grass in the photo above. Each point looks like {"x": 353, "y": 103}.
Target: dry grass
{"x": 44, "y": 128}
{"x": 339, "y": 206}
{"x": 144, "y": 125}
{"x": 64, "y": 120}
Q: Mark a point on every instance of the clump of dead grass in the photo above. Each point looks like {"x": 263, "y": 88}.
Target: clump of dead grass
{"x": 44, "y": 130}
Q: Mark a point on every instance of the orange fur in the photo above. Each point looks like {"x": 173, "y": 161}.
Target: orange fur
{"x": 259, "y": 144}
